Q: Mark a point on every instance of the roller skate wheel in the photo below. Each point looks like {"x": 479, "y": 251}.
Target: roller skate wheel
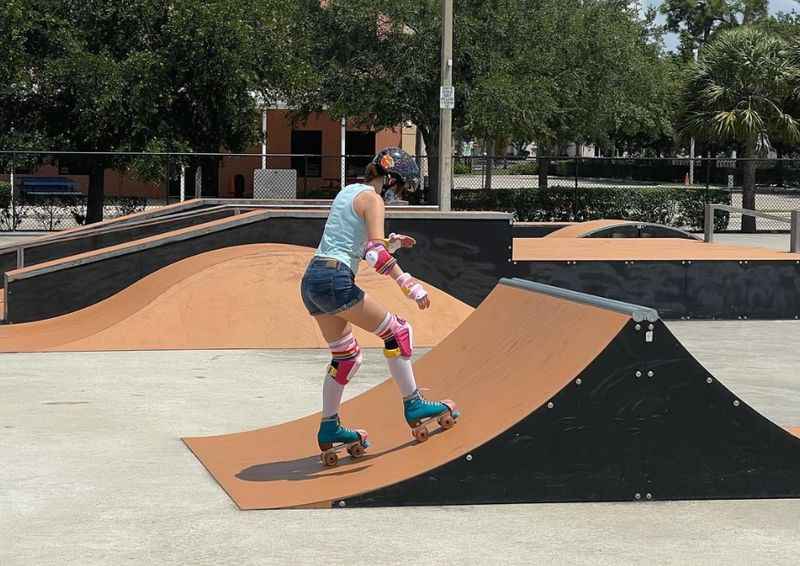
{"x": 447, "y": 421}
{"x": 420, "y": 434}
{"x": 330, "y": 459}
{"x": 356, "y": 451}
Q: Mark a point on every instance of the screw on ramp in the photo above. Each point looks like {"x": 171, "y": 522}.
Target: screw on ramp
{"x": 564, "y": 397}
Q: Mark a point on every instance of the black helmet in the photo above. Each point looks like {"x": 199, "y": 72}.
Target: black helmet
{"x": 397, "y": 163}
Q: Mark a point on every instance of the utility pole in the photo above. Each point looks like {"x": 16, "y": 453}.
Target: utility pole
{"x": 446, "y": 105}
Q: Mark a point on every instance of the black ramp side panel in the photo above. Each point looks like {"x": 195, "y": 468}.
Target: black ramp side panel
{"x": 661, "y": 285}
{"x": 752, "y": 289}
{"x": 705, "y": 289}
{"x": 643, "y": 421}
{"x": 95, "y": 241}
{"x": 464, "y": 258}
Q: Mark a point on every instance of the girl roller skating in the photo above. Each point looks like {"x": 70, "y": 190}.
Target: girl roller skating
{"x": 354, "y": 231}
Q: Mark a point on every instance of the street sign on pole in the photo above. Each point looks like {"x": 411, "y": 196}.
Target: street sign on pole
{"x": 447, "y": 97}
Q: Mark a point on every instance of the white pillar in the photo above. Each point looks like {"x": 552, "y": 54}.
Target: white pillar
{"x": 343, "y": 170}
{"x": 264, "y": 138}
{"x": 198, "y": 182}
{"x": 183, "y": 183}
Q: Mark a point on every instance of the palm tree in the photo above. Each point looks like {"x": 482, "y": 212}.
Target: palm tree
{"x": 743, "y": 90}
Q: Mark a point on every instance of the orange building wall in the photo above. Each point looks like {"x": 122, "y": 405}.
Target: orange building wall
{"x": 279, "y": 141}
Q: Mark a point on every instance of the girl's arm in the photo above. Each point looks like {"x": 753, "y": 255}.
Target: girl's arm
{"x": 369, "y": 205}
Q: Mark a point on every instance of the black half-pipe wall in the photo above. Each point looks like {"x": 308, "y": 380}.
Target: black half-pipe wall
{"x": 81, "y": 242}
{"x": 704, "y": 289}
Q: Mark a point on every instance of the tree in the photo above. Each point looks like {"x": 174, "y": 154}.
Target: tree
{"x": 741, "y": 90}
{"x": 102, "y": 76}
{"x": 514, "y": 76}
{"x": 697, "y": 20}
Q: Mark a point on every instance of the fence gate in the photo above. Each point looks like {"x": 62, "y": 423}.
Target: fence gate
{"x": 275, "y": 184}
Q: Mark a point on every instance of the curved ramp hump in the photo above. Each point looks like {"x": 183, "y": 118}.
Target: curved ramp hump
{"x": 238, "y": 297}
{"x": 564, "y": 397}
{"x": 619, "y": 229}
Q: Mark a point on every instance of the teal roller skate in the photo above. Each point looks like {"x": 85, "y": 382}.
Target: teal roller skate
{"x": 419, "y": 412}
{"x": 333, "y": 437}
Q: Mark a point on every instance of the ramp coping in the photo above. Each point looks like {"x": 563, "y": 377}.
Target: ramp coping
{"x": 637, "y": 312}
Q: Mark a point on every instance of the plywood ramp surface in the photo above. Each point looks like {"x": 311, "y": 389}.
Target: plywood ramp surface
{"x": 237, "y": 297}
{"x": 636, "y": 249}
{"x": 505, "y": 360}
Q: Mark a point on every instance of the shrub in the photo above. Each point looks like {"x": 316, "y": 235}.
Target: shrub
{"x": 461, "y": 168}
{"x": 523, "y": 168}
{"x": 124, "y": 206}
{"x": 5, "y": 195}
{"x": 669, "y": 206}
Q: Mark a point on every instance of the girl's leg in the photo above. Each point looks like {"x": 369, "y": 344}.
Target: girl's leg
{"x": 345, "y": 361}
{"x": 396, "y": 335}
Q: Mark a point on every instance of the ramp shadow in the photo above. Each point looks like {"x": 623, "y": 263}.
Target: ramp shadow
{"x": 310, "y": 467}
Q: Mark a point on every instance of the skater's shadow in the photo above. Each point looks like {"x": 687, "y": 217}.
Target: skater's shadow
{"x": 310, "y": 468}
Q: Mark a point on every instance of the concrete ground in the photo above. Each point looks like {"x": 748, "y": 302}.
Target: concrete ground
{"x": 94, "y": 472}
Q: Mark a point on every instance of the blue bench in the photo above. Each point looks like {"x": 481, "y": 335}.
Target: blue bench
{"x": 33, "y": 188}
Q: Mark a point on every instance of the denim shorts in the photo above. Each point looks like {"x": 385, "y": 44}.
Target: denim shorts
{"x": 329, "y": 287}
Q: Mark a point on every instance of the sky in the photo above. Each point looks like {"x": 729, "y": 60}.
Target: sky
{"x": 775, "y": 6}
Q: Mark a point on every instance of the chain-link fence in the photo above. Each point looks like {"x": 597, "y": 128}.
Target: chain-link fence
{"x": 665, "y": 190}
{"x": 51, "y": 190}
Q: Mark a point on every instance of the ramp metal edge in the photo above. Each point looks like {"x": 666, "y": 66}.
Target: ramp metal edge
{"x": 637, "y": 312}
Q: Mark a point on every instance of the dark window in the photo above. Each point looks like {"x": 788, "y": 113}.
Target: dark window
{"x": 361, "y": 146}
{"x": 238, "y": 186}
{"x": 307, "y": 142}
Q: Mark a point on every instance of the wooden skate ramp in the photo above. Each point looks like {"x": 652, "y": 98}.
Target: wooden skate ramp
{"x": 237, "y": 297}
{"x": 564, "y": 397}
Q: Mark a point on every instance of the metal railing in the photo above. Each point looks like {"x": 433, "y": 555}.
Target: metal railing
{"x": 794, "y": 221}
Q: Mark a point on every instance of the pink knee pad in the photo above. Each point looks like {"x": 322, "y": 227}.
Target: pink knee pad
{"x": 402, "y": 333}
{"x": 346, "y": 359}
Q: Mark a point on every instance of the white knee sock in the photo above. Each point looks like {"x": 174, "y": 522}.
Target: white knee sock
{"x": 331, "y": 397}
{"x": 403, "y": 374}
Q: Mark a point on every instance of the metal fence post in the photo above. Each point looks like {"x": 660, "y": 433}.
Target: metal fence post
{"x": 575, "y": 198}
{"x": 709, "y": 224}
{"x": 13, "y": 194}
{"x": 794, "y": 245}
{"x": 183, "y": 182}
{"x": 305, "y": 175}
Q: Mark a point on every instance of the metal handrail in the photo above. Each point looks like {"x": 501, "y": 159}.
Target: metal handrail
{"x": 794, "y": 238}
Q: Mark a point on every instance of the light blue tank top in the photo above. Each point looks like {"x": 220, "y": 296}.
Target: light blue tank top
{"x": 345, "y": 231}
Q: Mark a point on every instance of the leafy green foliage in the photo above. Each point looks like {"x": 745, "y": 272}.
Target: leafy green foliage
{"x": 697, "y": 20}
{"x": 740, "y": 88}
{"x": 5, "y": 195}
{"x": 108, "y": 76}
{"x": 673, "y": 207}
{"x": 553, "y": 71}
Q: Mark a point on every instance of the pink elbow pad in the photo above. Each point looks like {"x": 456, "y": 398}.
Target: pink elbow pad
{"x": 379, "y": 258}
